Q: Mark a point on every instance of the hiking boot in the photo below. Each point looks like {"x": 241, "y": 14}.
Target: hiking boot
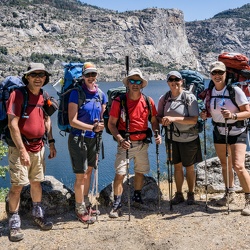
{"x": 15, "y": 230}
{"x": 92, "y": 211}
{"x": 246, "y": 210}
{"x": 179, "y": 198}
{"x": 190, "y": 198}
{"x": 43, "y": 224}
{"x": 223, "y": 200}
{"x": 115, "y": 213}
{"x": 85, "y": 218}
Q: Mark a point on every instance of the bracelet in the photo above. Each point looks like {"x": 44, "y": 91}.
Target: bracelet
{"x": 234, "y": 116}
{"x": 51, "y": 141}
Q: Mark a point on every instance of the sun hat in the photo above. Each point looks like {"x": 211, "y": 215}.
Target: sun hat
{"x": 174, "y": 73}
{"x": 217, "y": 66}
{"x": 134, "y": 72}
{"x": 88, "y": 67}
{"x": 34, "y": 67}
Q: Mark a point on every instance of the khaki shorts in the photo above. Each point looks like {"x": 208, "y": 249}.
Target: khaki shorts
{"x": 138, "y": 152}
{"x": 21, "y": 175}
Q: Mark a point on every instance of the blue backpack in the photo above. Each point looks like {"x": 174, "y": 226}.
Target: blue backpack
{"x": 71, "y": 81}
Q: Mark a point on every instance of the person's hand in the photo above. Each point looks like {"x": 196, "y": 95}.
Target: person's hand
{"x": 158, "y": 139}
{"x": 24, "y": 157}
{"x": 167, "y": 120}
{"x": 52, "y": 151}
{"x": 226, "y": 113}
{"x": 98, "y": 126}
{"x": 203, "y": 114}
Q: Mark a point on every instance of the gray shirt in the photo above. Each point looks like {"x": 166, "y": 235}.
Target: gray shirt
{"x": 184, "y": 105}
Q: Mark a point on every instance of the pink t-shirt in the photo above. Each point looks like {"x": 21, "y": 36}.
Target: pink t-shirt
{"x": 138, "y": 115}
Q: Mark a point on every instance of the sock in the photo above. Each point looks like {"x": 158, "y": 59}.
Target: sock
{"x": 37, "y": 210}
{"x": 117, "y": 201}
{"x": 86, "y": 200}
{"x": 80, "y": 207}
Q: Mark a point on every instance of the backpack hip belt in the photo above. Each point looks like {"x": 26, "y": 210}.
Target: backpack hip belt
{"x": 238, "y": 124}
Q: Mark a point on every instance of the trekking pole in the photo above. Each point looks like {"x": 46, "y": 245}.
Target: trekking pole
{"x": 128, "y": 178}
{"x": 171, "y": 167}
{"x": 205, "y": 157}
{"x": 127, "y": 64}
{"x": 98, "y": 147}
{"x": 168, "y": 147}
{"x": 158, "y": 171}
{"x": 227, "y": 167}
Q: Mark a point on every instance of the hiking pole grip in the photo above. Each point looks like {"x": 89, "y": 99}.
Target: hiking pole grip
{"x": 127, "y": 64}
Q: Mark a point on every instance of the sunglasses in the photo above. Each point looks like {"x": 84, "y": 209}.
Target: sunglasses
{"x": 40, "y": 75}
{"x": 137, "y": 82}
{"x": 93, "y": 74}
{"x": 174, "y": 79}
{"x": 217, "y": 73}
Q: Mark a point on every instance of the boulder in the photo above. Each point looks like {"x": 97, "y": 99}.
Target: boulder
{"x": 149, "y": 192}
{"x": 214, "y": 175}
{"x": 56, "y": 198}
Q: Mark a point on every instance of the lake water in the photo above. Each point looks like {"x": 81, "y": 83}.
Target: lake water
{"x": 60, "y": 167}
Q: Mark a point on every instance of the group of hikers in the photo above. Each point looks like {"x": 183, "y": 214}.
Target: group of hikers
{"x": 129, "y": 126}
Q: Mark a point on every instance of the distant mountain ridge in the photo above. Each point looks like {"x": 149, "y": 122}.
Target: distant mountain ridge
{"x": 157, "y": 40}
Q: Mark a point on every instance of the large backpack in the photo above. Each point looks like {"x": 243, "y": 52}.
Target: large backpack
{"x": 194, "y": 82}
{"x": 71, "y": 81}
{"x": 238, "y": 70}
{"x": 113, "y": 93}
{"x": 8, "y": 85}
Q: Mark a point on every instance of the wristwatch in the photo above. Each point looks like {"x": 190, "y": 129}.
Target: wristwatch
{"x": 51, "y": 141}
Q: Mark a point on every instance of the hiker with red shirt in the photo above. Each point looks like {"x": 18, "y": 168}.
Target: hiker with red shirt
{"x": 137, "y": 144}
{"x": 221, "y": 108}
{"x": 27, "y": 154}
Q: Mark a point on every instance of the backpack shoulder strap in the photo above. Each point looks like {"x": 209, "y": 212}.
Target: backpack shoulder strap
{"x": 147, "y": 100}
{"x": 231, "y": 91}
{"x": 25, "y": 94}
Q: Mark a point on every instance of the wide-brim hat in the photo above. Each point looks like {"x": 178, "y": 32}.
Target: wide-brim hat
{"x": 35, "y": 67}
{"x": 134, "y": 72}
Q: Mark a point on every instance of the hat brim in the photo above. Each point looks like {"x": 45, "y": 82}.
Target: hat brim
{"x": 217, "y": 68}
{"x": 36, "y": 69}
{"x": 144, "y": 82}
{"x": 86, "y": 71}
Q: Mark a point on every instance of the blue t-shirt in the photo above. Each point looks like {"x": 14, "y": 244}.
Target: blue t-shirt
{"x": 89, "y": 111}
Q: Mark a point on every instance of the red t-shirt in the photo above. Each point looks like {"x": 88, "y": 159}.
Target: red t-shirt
{"x": 32, "y": 127}
{"x": 138, "y": 115}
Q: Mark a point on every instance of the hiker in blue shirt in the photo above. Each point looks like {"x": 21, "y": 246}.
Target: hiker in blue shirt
{"x": 86, "y": 123}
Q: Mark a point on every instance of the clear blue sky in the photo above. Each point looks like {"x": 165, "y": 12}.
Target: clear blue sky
{"x": 193, "y": 9}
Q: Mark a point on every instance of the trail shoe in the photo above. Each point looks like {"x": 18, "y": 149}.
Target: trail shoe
{"x": 115, "y": 213}
{"x": 92, "y": 211}
{"x": 223, "y": 200}
{"x": 190, "y": 198}
{"x": 14, "y": 227}
{"x": 179, "y": 198}
{"x": 43, "y": 224}
{"x": 246, "y": 210}
{"x": 85, "y": 218}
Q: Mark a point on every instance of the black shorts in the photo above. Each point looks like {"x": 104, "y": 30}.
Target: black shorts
{"x": 188, "y": 153}
{"x": 82, "y": 153}
{"x": 221, "y": 139}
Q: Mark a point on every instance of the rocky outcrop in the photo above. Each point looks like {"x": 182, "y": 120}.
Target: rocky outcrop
{"x": 215, "y": 182}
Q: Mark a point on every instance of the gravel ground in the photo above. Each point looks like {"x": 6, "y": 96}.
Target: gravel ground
{"x": 185, "y": 227}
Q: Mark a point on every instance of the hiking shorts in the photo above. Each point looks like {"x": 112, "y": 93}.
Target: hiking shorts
{"x": 22, "y": 175}
{"x": 82, "y": 153}
{"x": 188, "y": 153}
{"x": 236, "y": 139}
{"x": 138, "y": 152}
